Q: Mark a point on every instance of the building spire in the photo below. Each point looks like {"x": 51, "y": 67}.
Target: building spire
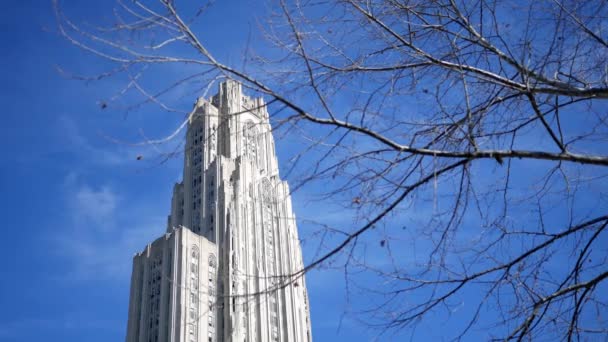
{"x": 233, "y": 208}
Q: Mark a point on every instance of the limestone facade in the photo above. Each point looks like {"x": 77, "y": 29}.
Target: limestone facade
{"x": 221, "y": 271}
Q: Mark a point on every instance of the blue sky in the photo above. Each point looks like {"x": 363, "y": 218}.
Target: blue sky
{"x": 76, "y": 206}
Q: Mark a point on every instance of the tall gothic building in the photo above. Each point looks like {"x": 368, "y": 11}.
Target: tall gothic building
{"x": 220, "y": 273}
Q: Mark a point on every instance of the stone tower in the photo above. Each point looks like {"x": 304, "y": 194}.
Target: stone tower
{"x": 221, "y": 271}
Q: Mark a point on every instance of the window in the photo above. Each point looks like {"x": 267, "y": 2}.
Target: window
{"x": 211, "y": 296}
{"x": 212, "y": 261}
{"x": 275, "y": 333}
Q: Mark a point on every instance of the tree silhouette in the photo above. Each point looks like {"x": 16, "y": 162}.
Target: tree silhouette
{"x": 467, "y": 139}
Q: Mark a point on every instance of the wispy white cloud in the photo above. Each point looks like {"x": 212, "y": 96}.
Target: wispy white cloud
{"x": 103, "y": 230}
{"x": 78, "y": 144}
{"x": 95, "y": 208}
{"x": 106, "y": 257}
{"x": 100, "y": 149}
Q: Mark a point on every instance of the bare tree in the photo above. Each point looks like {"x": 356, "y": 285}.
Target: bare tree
{"x": 467, "y": 138}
